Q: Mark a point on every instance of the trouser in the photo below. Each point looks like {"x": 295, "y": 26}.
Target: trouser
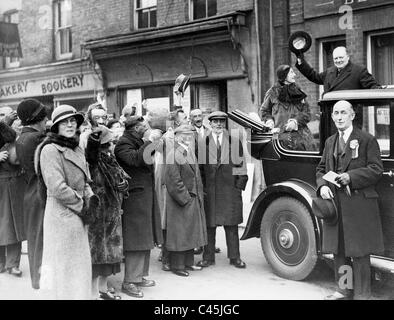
{"x": 181, "y": 259}
{"x": 34, "y": 251}
{"x": 136, "y": 265}
{"x": 360, "y": 274}
{"x": 165, "y": 254}
{"x": 232, "y": 242}
{"x": 10, "y": 255}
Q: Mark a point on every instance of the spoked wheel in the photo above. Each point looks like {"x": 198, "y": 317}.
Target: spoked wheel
{"x": 288, "y": 238}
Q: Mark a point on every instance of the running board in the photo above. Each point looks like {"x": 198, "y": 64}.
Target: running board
{"x": 377, "y": 263}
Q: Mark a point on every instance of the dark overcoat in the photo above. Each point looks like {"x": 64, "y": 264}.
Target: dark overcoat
{"x": 361, "y": 221}
{"x": 353, "y": 76}
{"x": 185, "y": 223}
{"x": 33, "y": 204}
{"x": 141, "y": 216}
{"x": 105, "y": 232}
{"x": 223, "y": 181}
{"x": 12, "y": 185}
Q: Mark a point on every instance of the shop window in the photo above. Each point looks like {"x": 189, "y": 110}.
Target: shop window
{"x": 146, "y": 13}
{"x": 11, "y": 16}
{"x": 382, "y": 58}
{"x": 200, "y": 9}
{"x": 63, "y": 34}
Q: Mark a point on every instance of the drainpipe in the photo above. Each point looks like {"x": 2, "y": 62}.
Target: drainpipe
{"x": 272, "y": 62}
{"x": 258, "y": 72}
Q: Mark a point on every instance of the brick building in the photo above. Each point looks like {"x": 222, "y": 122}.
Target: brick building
{"x": 53, "y": 68}
{"x": 214, "y": 41}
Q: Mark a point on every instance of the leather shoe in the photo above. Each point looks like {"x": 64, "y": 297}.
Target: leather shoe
{"x": 217, "y": 250}
{"x": 165, "y": 267}
{"x": 2, "y": 269}
{"x": 205, "y": 263}
{"x": 15, "y": 272}
{"x": 238, "y": 263}
{"x": 337, "y": 296}
{"x": 132, "y": 290}
{"x": 198, "y": 250}
{"x": 182, "y": 273}
{"x": 145, "y": 283}
{"x": 193, "y": 268}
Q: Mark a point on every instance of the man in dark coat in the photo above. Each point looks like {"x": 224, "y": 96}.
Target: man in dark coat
{"x": 355, "y": 156}
{"x": 224, "y": 177}
{"x": 141, "y": 217}
{"x": 345, "y": 75}
{"x": 11, "y": 202}
{"x": 185, "y": 221}
{"x": 33, "y": 115}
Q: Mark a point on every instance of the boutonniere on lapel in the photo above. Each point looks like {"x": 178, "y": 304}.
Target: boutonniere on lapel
{"x": 354, "y": 147}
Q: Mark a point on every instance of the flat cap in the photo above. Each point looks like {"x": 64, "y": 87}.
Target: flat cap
{"x": 130, "y": 123}
{"x": 217, "y": 115}
{"x": 185, "y": 128}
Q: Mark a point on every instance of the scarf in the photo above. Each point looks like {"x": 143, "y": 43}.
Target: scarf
{"x": 62, "y": 141}
{"x": 291, "y": 93}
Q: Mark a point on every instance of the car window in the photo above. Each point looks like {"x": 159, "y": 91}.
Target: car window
{"x": 374, "y": 118}
{"x": 376, "y": 121}
{"x": 305, "y": 136}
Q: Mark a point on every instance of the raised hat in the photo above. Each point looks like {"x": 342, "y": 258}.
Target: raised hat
{"x": 217, "y": 115}
{"x": 299, "y": 41}
{"x": 185, "y": 128}
{"x": 325, "y": 210}
{"x": 65, "y": 111}
{"x": 29, "y": 109}
{"x": 181, "y": 83}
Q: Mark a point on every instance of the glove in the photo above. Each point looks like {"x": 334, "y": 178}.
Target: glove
{"x": 300, "y": 55}
{"x": 97, "y": 133}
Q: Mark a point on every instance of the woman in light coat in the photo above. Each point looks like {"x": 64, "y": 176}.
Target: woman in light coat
{"x": 66, "y": 271}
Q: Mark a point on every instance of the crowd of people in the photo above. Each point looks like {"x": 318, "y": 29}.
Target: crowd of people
{"x": 90, "y": 191}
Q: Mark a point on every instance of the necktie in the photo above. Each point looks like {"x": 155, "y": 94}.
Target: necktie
{"x": 341, "y": 142}
{"x": 219, "y": 149}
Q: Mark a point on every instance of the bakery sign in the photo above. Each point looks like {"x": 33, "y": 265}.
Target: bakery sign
{"x": 316, "y": 8}
{"x": 44, "y": 87}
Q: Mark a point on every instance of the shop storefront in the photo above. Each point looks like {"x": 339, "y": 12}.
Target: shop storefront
{"x": 59, "y": 83}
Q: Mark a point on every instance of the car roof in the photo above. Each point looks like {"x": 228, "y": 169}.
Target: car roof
{"x": 361, "y": 94}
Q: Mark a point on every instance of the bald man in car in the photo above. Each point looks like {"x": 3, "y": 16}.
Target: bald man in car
{"x": 344, "y": 75}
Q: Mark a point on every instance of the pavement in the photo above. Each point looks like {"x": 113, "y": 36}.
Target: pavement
{"x": 219, "y": 282}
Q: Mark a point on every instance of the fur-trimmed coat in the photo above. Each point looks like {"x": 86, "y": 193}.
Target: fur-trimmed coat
{"x": 105, "y": 233}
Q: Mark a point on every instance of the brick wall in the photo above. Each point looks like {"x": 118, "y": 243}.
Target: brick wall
{"x": 225, "y": 6}
{"x": 98, "y": 18}
{"x": 171, "y": 12}
{"x": 90, "y": 19}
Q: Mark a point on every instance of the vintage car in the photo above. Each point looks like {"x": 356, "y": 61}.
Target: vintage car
{"x": 291, "y": 235}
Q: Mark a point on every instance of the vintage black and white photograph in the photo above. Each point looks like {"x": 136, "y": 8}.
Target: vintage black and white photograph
{"x": 196, "y": 150}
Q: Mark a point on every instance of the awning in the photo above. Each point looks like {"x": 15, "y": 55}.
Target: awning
{"x": 9, "y": 40}
{"x": 203, "y": 31}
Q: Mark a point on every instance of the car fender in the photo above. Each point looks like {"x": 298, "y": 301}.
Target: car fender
{"x": 295, "y": 188}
